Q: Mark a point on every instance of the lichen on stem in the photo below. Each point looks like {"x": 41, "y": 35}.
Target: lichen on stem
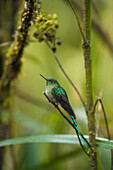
{"x": 88, "y": 73}
{"x": 86, "y": 35}
{"x": 13, "y": 65}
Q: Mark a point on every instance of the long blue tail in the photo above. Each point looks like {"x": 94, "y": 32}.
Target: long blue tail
{"x": 75, "y": 124}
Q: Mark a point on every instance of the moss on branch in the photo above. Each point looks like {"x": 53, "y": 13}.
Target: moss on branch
{"x": 89, "y": 91}
{"x": 13, "y": 65}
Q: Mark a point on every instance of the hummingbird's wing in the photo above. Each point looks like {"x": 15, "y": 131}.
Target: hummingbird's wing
{"x": 61, "y": 97}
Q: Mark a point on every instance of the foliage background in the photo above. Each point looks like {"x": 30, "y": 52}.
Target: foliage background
{"x": 29, "y": 119}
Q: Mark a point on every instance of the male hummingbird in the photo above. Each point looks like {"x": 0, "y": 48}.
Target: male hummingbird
{"x": 58, "y": 95}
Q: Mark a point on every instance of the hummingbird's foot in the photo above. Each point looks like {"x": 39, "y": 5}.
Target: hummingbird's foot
{"x": 51, "y": 100}
{"x": 56, "y": 105}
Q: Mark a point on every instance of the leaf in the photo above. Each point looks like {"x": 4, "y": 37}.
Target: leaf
{"x": 65, "y": 139}
{"x": 40, "y": 139}
{"x": 104, "y": 143}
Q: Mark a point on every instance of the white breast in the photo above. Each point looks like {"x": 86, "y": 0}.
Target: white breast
{"x": 47, "y": 91}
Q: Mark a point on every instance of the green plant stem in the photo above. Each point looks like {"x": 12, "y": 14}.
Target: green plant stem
{"x": 64, "y": 72}
{"x": 107, "y": 128}
{"x": 88, "y": 74}
{"x": 77, "y": 18}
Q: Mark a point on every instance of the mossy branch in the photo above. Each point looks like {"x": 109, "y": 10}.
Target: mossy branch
{"x": 86, "y": 35}
{"x": 78, "y": 21}
{"x": 13, "y": 65}
{"x": 88, "y": 73}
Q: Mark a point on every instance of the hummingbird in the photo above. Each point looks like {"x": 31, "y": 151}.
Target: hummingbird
{"x": 59, "y": 96}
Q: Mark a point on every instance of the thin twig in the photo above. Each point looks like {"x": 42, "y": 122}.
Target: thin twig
{"x": 56, "y": 106}
{"x": 98, "y": 27}
{"x": 81, "y": 142}
{"x": 104, "y": 113}
{"x": 98, "y": 115}
{"x": 5, "y": 44}
{"x": 98, "y": 119}
{"x": 77, "y": 18}
{"x": 107, "y": 128}
{"x": 61, "y": 67}
{"x": 9, "y": 43}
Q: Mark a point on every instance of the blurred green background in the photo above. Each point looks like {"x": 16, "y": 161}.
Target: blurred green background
{"x": 28, "y": 118}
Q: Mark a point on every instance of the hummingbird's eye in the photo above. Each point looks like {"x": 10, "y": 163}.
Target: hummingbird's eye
{"x": 52, "y": 81}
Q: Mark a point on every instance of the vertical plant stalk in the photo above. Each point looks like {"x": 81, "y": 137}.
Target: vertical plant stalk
{"x": 88, "y": 74}
{"x": 78, "y": 21}
{"x": 106, "y": 122}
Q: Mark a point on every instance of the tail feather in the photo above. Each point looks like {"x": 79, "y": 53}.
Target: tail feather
{"x": 75, "y": 124}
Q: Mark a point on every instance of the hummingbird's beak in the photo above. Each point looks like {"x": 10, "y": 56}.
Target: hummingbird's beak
{"x": 43, "y": 77}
